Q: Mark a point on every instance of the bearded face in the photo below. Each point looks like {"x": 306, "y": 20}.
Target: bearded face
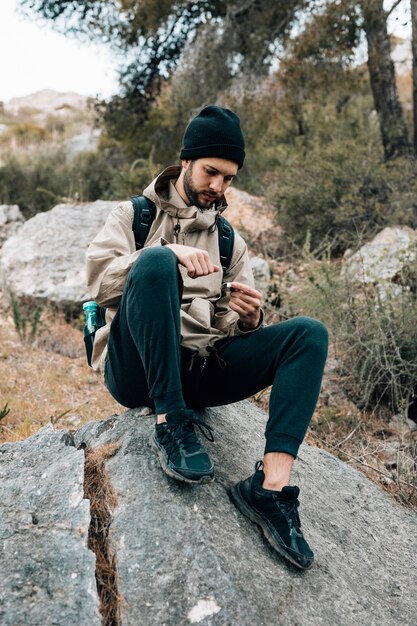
{"x": 197, "y": 187}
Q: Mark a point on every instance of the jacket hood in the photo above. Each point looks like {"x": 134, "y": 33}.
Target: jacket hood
{"x": 163, "y": 193}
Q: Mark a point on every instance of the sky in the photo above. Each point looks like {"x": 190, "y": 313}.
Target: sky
{"x": 34, "y": 57}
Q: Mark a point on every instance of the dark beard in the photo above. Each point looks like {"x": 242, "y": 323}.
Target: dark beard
{"x": 192, "y": 193}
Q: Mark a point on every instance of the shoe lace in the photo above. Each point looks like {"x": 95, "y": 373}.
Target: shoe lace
{"x": 185, "y": 434}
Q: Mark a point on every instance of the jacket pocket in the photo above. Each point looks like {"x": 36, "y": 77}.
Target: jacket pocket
{"x": 202, "y": 311}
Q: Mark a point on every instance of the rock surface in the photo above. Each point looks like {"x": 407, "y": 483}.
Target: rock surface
{"x": 45, "y": 260}
{"x": 261, "y": 274}
{"x": 381, "y": 260}
{"x": 47, "y": 571}
{"x": 186, "y": 555}
{"x": 255, "y": 219}
{"x": 86, "y": 141}
{"x": 11, "y": 219}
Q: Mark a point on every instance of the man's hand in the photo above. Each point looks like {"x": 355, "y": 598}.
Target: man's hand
{"x": 197, "y": 262}
{"x": 247, "y": 303}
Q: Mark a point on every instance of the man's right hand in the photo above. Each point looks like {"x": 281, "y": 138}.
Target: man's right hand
{"x": 197, "y": 262}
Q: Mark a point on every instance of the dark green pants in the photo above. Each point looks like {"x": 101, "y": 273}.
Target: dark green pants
{"x": 147, "y": 366}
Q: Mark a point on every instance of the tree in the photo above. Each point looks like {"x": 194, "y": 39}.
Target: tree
{"x": 414, "y": 52}
{"x": 325, "y": 50}
{"x": 382, "y": 79}
{"x": 155, "y": 37}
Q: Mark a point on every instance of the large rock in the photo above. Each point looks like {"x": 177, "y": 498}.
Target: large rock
{"x": 45, "y": 260}
{"x": 186, "y": 555}
{"x": 47, "y": 571}
{"x": 261, "y": 273}
{"x": 86, "y": 141}
{"x": 382, "y": 260}
{"x": 255, "y": 219}
{"x": 11, "y": 218}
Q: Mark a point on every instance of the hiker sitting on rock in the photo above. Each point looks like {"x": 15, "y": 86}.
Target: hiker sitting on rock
{"x": 185, "y": 327}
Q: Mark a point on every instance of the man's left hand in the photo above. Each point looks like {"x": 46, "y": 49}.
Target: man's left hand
{"x": 246, "y": 301}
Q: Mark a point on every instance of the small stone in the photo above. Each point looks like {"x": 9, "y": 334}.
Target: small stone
{"x": 203, "y": 608}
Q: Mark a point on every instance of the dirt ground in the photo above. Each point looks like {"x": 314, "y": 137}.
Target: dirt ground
{"x": 47, "y": 380}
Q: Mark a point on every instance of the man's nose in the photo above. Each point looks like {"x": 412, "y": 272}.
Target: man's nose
{"x": 216, "y": 184}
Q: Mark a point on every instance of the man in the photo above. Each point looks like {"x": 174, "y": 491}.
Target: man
{"x": 179, "y": 340}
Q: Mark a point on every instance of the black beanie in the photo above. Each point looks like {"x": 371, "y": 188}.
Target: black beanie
{"x": 214, "y": 132}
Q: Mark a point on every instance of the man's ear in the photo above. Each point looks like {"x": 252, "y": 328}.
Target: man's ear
{"x": 185, "y": 164}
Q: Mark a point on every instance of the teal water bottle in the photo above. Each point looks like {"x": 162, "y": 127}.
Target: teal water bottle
{"x": 94, "y": 319}
{"x": 91, "y": 317}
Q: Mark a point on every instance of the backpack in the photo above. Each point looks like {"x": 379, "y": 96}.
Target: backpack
{"x": 144, "y": 214}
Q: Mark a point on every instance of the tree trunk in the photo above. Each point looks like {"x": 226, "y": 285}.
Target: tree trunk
{"x": 382, "y": 78}
{"x": 414, "y": 51}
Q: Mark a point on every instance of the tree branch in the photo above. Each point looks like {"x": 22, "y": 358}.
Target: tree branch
{"x": 394, "y": 6}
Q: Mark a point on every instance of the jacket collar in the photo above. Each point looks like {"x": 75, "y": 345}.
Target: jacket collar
{"x": 163, "y": 193}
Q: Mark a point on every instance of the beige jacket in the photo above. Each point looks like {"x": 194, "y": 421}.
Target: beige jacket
{"x": 205, "y": 315}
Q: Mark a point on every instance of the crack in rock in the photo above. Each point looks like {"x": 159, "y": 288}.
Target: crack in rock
{"x": 103, "y": 500}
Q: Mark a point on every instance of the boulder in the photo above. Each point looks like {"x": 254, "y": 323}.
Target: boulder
{"x": 184, "y": 554}
{"x": 382, "y": 260}
{"x": 47, "y": 570}
{"x": 11, "y": 218}
{"x": 84, "y": 142}
{"x": 45, "y": 260}
{"x": 255, "y": 219}
{"x": 261, "y": 274}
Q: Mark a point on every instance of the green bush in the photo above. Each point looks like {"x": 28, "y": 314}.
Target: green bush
{"x": 35, "y": 182}
{"x": 375, "y": 337}
{"x": 107, "y": 174}
{"x": 39, "y": 181}
{"x": 344, "y": 193}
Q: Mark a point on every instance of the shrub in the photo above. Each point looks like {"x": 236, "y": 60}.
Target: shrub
{"x": 375, "y": 338}
{"x": 107, "y": 174}
{"x": 342, "y": 192}
{"x": 26, "y": 133}
{"x": 35, "y": 182}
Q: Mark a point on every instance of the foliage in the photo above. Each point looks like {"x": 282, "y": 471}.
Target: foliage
{"x": 25, "y": 133}
{"x": 155, "y": 36}
{"x": 375, "y": 337}
{"x": 4, "y": 412}
{"x": 108, "y": 175}
{"x": 35, "y": 181}
{"x": 40, "y": 180}
{"x": 325, "y": 175}
{"x": 27, "y": 319}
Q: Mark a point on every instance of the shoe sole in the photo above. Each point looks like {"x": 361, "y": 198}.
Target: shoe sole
{"x": 207, "y": 478}
{"x": 244, "y": 508}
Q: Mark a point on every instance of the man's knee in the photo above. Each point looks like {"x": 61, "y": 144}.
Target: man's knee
{"x": 311, "y": 332}
{"x": 153, "y": 265}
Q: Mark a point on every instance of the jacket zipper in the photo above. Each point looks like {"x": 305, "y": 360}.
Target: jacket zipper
{"x": 177, "y": 229}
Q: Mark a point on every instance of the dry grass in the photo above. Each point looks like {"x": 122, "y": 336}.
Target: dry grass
{"x": 103, "y": 500}
{"x": 48, "y": 380}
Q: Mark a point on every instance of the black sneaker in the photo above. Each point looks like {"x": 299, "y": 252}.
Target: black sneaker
{"x": 179, "y": 450}
{"x": 276, "y": 513}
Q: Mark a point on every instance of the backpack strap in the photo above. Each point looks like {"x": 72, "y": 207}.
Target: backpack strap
{"x": 226, "y": 242}
{"x": 144, "y": 214}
